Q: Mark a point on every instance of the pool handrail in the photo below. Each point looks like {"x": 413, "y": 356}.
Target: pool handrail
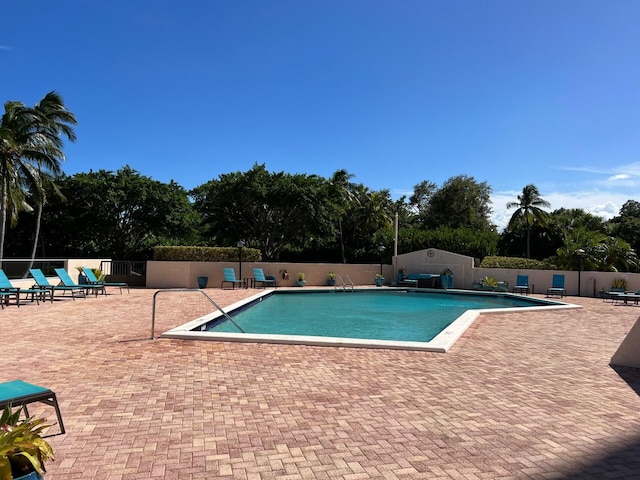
{"x": 344, "y": 285}
{"x": 153, "y": 310}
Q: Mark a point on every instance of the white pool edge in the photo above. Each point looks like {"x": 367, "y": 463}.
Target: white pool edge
{"x": 440, "y": 343}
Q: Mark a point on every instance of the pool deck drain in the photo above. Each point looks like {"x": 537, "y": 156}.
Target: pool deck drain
{"x": 519, "y": 396}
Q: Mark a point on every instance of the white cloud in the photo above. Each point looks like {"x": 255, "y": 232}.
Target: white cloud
{"x": 620, "y": 176}
{"x": 605, "y": 204}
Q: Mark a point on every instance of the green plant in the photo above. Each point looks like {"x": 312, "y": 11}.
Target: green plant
{"x": 447, "y": 271}
{"x": 489, "y": 282}
{"x": 379, "y": 276}
{"x": 301, "y": 276}
{"x": 22, "y": 448}
{"x": 331, "y": 275}
{"x": 619, "y": 283}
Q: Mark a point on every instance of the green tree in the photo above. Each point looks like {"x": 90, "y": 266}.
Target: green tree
{"x": 31, "y": 145}
{"x": 275, "y": 212}
{"x": 120, "y": 215}
{"x": 627, "y": 224}
{"x": 461, "y": 202}
{"x": 529, "y": 211}
{"x": 420, "y": 200}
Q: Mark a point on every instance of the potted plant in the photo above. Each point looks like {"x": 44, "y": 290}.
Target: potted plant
{"x": 331, "y": 278}
{"x": 82, "y": 278}
{"x": 446, "y": 278}
{"x": 379, "y": 280}
{"x": 301, "y": 282}
{"x": 489, "y": 283}
{"x": 23, "y": 451}
{"x": 402, "y": 272}
{"x": 619, "y": 285}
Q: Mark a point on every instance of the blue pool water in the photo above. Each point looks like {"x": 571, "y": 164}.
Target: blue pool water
{"x": 379, "y": 315}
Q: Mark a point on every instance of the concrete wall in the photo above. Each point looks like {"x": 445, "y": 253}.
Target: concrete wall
{"x": 184, "y": 274}
{"x": 433, "y": 260}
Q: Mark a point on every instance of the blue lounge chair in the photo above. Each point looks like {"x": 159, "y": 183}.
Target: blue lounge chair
{"x": 557, "y": 286}
{"x": 258, "y": 277}
{"x": 43, "y": 283}
{"x": 18, "y": 393}
{"x": 67, "y": 281}
{"x": 230, "y": 277}
{"x": 93, "y": 280}
{"x": 7, "y": 290}
{"x": 522, "y": 285}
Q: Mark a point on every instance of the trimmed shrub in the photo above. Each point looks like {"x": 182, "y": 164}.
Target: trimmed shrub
{"x": 205, "y": 254}
{"x": 516, "y": 262}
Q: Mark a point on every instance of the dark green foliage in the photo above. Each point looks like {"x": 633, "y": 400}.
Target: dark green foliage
{"x": 205, "y": 254}
{"x": 516, "y": 262}
{"x": 120, "y": 215}
{"x": 461, "y": 202}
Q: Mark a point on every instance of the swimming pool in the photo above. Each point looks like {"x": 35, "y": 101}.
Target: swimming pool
{"x": 393, "y": 318}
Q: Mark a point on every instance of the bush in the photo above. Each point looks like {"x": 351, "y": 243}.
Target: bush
{"x": 517, "y": 263}
{"x": 205, "y": 254}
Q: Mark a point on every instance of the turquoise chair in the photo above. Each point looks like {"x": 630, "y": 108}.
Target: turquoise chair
{"x": 258, "y": 277}
{"x": 93, "y": 280}
{"x": 43, "y": 283}
{"x": 67, "y": 281}
{"x": 557, "y": 286}
{"x": 7, "y": 290}
{"x": 522, "y": 284}
{"x": 230, "y": 277}
{"x": 19, "y": 394}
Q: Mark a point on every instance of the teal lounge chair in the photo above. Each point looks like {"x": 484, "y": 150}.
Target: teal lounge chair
{"x": 19, "y": 394}
{"x": 93, "y": 280}
{"x": 67, "y": 281}
{"x": 7, "y": 290}
{"x": 522, "y": 285}
{"x": 43, "y": 283}
{"x": 557, "y": 286}
{"x": 230, "y": 277}
{"x": 258, "y": 277}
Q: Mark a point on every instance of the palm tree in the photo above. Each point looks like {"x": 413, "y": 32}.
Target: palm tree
{"x": 529, "y": 211}
{"x": 54, "y": 121}
{"x": 340, "y": 182}
{"x": 30, "y": 147}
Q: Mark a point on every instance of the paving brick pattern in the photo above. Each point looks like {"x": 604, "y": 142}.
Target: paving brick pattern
{"x": 520, "y": 396}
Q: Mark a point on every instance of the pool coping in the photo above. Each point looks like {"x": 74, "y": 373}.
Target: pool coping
{"x": 441, "y": 343}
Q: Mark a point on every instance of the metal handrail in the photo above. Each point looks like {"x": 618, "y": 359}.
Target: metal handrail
{"x": 344, "y": 285}
{"x": 153, "y": 311}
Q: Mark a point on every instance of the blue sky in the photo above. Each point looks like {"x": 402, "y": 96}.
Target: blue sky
{"x": 510, "y": 92}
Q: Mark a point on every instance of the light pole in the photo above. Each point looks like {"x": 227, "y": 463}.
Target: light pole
{"x": 240, "y": 245}
{"x": 381, "y": 249}
{"x": 580, "y": 253}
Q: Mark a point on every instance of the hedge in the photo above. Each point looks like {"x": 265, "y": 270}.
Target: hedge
{"x": 516, "y": 262}
{"x": 205, "y": 254}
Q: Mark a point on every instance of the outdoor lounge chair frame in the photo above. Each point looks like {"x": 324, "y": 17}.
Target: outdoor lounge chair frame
{"x": 19, "y": 393}
{"x": 43, "y": 283}
{"x": 93, "y": 280}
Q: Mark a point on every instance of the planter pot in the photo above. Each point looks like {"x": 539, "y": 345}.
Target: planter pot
{"x": 301, "y": 283}
{"x": 82, "y": 279}
{"x": 331, "y": 281}
{"x": 444, "y": 281}
{"x": 379, "y": 282}
{"x": 30, "y": 476}
{"x": 202, "y": 282}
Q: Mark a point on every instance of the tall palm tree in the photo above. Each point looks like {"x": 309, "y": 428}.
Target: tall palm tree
{"x": 55, "y": 121}
{"x": 529, "y": 211}
{"x": 30, "y": 144}
{"x": 341, "y": 183}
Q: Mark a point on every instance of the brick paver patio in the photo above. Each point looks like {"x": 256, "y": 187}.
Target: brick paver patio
{"x": 521, "y": 395}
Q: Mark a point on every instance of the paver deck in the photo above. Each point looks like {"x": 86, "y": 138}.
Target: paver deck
{"x": 520, "y": 396}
